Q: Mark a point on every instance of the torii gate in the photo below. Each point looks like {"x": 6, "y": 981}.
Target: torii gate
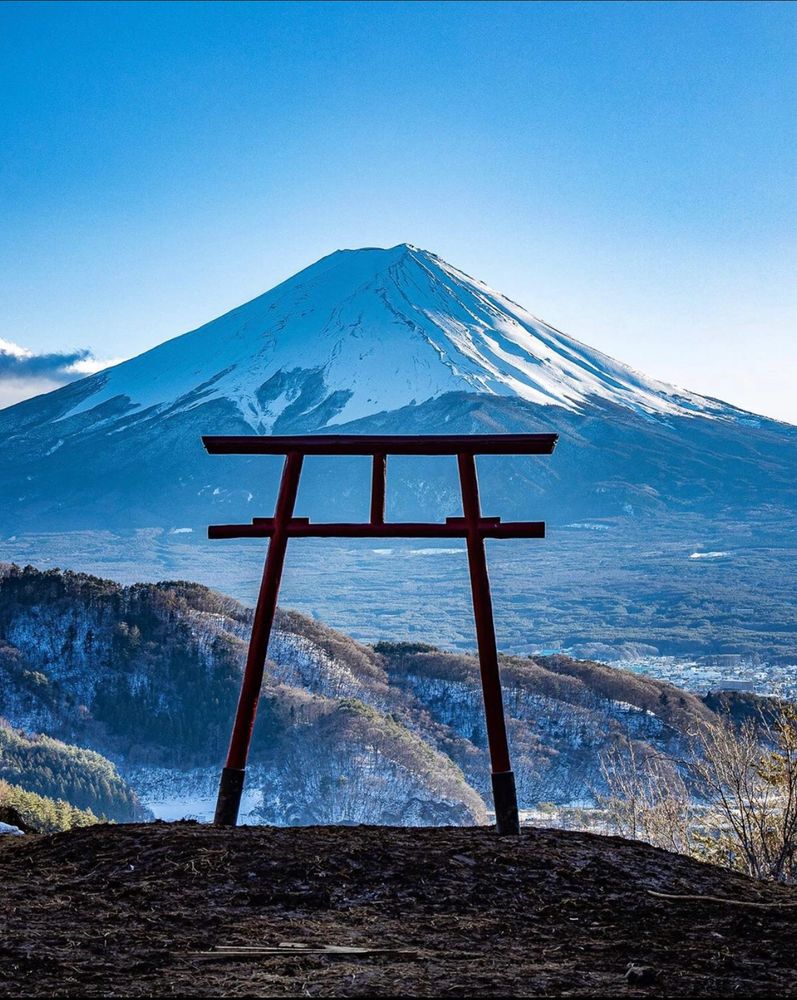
{"x": 283, "y": 525}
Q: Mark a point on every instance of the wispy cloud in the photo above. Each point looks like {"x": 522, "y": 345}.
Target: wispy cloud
{"x": 23, "y": 373}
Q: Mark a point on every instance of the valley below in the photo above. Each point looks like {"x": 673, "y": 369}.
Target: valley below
{"x": 666, "y": 596}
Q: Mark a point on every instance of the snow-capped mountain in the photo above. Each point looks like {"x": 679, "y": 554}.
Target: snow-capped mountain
{"x": 394, "y": 340}
{"x": 364, "y": 331}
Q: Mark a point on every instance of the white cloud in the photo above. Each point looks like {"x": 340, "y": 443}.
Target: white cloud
{"x": 24, "y": 373}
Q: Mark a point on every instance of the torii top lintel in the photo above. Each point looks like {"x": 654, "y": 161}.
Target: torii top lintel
{"x": 383, "y": 444}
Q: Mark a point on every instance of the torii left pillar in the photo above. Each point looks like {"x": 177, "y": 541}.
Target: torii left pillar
{"x": 234, "y": 772}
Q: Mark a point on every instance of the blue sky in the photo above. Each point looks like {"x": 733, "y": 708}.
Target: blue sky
{"x": 625, "y": 171}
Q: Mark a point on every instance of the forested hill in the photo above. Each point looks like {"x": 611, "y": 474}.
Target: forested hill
{"x": 149, "y": 674}
{"x": 56, "y": 770}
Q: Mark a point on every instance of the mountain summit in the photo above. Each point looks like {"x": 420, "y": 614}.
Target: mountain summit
{"x": 370, "y": 330}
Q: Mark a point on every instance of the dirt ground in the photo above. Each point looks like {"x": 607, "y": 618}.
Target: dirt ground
{"x": 123, "y": 910}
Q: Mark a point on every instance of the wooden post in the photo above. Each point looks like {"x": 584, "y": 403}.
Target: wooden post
{"x": 507, "y": 819}
{"x": 378, "y": 482}
{"x": 232, "y": 776}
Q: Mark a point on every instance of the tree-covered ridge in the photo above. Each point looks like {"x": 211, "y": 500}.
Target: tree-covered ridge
{"x": 149, "y": 671}
{"x": 149, "y": 675}
{"x": 39, "y": 813}
{"x": 561, "y": 678}
{"x": 337, "y": 760}
{"x": 83, "y": 778}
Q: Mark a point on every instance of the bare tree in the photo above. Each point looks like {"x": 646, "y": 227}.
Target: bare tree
{"x": 647, "y": 798}
{"x": 743, "y": 810}
{"x": 748, "y": 776}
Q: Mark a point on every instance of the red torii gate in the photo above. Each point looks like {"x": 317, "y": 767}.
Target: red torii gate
{"x": 283, "y": 525}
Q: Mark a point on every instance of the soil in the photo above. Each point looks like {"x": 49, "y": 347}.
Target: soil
{"x": 123, "y": 910}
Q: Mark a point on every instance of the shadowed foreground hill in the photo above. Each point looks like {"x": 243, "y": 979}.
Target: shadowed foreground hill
{"x": 123, "y": 911}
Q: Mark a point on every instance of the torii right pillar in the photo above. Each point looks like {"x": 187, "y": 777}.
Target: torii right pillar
{"x": 507, "y": 818}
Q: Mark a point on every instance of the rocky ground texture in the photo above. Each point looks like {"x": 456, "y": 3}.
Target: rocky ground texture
{"x": 149, "y": 909}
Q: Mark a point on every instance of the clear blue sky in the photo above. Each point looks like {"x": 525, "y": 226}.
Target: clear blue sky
{"x": 626, "y": 171}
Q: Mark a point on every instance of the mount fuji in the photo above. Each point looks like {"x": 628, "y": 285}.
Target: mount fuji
{"x": 363, "y": 339}
{"x": 394, "y": 341}
{"x": 366, "y": 331}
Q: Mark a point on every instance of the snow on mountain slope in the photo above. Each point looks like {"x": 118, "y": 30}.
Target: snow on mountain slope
{"x": 364, "y": 331}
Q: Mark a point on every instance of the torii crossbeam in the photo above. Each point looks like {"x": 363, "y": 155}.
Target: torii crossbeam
{"x": 473, "y": 527}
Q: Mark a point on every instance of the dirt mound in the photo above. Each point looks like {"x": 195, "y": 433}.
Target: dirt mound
{"x": 124, "y": 910}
